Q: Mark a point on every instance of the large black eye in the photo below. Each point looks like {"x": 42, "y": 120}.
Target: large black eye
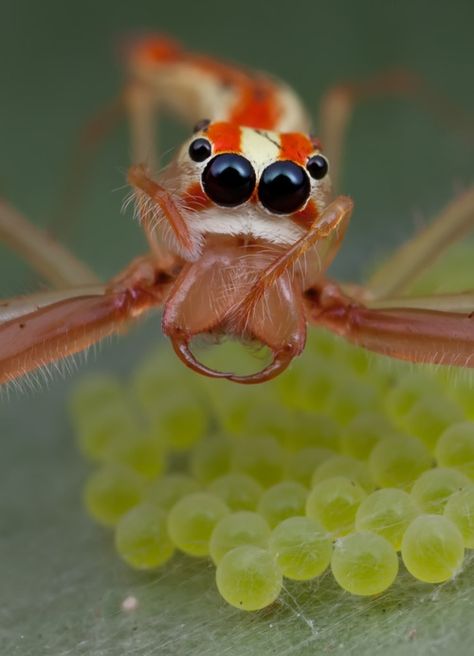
{"x": 317, "y": 166}
{"x": 199, "y": 150}
{"x": 284, "y": 187}
{"x": 229, "y": 179}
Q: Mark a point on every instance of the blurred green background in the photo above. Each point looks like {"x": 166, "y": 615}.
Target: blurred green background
{"x": 60, "y": 583}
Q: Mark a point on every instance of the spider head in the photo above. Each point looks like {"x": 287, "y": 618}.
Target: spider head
{"x": 245, "y": 181}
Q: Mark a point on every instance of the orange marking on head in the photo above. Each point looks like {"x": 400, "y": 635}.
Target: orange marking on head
{"x": 257, "y": 106}
{"x": 296, "y": 147}
{"x": 225, "y": 137}
{"x": 306, "y": 216}
{"x": 195, "y": 198}
{"x": 157, "y": 49}
{"x": 257, "y": 98}
{"x": 256, "y": 103}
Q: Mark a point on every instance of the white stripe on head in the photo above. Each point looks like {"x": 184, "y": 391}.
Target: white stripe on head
{"x": 260, "y": 147}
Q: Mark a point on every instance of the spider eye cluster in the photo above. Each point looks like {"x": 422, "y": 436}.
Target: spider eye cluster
{"x": 200, "y": 150}
{"x": 317, "y": 167}
{"x": 229, "y": 179}
{"x": 284, "y": 187}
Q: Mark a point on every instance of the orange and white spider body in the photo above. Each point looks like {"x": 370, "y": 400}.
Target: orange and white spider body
{"x": 249, "y": 184}
{"x": 242, "y": 226}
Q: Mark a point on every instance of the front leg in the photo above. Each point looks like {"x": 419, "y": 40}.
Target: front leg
{"x": 332, "y": 223}
{"x": 42, "y": 329}
{"x": 406, "y": 333}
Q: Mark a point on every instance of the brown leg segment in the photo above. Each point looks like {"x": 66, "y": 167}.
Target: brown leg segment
{"x": 139, "y": 179}
{"x": 335, "y": 218}
{"x": 54, "y": 330}
{"x": 78, "y": 169}
{"x": 416, "y": 335}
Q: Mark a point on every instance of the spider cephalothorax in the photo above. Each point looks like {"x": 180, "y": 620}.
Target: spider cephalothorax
{"x": 245, "y": 195}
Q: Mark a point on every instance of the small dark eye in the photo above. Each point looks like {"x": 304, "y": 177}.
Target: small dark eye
{"x": 199, "y": 150}
{"x": 201, "y": 125}
{"x": 229, "y": 179}
{"x": 284, "y": 187}
{"x": 317, "y": 167}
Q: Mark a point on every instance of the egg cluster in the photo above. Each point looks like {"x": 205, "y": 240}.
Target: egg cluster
{"x": 347, "y": 461}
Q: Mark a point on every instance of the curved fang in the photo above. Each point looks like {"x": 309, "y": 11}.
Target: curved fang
{"x": 281, "y": 360}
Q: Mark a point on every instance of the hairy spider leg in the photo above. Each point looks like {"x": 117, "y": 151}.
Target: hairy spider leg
{"x": 413, "y": 334}
{"x": 40, "y": 329}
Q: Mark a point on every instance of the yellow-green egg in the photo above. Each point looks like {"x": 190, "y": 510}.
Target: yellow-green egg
{"x": 264, "y": 417}
{"x": 430, "y": 416}
{"x": 387, "y": 512}
{"x": 239, "y": 491}
{"x": 301, "y": 547}
{"x": 360, "y": 435}
{"x": 351, "y": 397}
{"x": 98, "y": 431}
{"x": 455, "y": 448}
{"x": 211, "y": 458}
{"x": 310, "y": 429}
{"x": 460, "y": 510}
{"x": 156, "y": 379}
{"x": 407, "y": 391}
{"x": 141, "y": 537}
{"x": 111, "y": 491}
{"x": 399, "y": 461}
{"x": 433, "y": 488}
{"x": 334, "y": 502}
{"x": 305, "y": 388}
{"x": 262, "y": 458}
{"x": 142, "y": 453}
{"x": 191, "y": 522}
{"x": 345, "y": 466}
{"x": 180, "y": 420}
{"x": 323, "y": 343}
{"x": 166, "y": 490}
{"x": 281, "y": 501}
{"x": 433, "y": 548}
{"x": 301, "y": 464}
{"x": 249, "y": 578}
{"x": 364, "y": 563}
{"x": 462, "y": 390}
{"x": 238, "y": 529}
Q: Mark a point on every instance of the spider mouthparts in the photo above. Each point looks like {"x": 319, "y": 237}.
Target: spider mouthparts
{"x": 281, "y": 360}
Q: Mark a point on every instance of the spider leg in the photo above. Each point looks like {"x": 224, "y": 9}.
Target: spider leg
{"x": 332, "y": 222}
{"x": 47, "y": 257}
{"x": 339, "y": 102}
{"x": 137, "y": 102}
{"x": 458, "y": 302}
{"x": 406, "y": 333}
{"x": 150, "y": 189}
{"x": 78, "y": 167}
{"x": 402, "y": 268}
{"x": 41, "y": 329}
{"x": 142, "y": 108}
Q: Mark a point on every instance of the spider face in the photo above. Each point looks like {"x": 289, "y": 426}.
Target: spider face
{"x": 258, "y": 183}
